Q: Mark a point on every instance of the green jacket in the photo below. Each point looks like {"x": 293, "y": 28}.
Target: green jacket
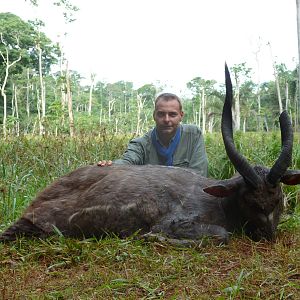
{"x": 190, "y": 152}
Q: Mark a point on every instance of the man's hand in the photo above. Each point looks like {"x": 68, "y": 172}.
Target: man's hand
{"x": 104, "y": 163}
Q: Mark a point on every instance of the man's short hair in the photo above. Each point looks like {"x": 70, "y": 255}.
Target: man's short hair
{"x": 167, "y": 97}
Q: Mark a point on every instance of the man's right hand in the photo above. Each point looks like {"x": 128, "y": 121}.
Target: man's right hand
{"x": 104, "y": 163}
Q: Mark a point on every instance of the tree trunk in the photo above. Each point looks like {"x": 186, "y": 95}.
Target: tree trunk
{"x": 125, "y": 103}
{"x": 258, "y": 88}
{"x": 298, "y": 33}
{"x": 203, "y": 100}
{"x": 111, "y": 104}
{"x": 287, "y": 96}
{"x": 17, "y": 124}
{"x": 70, "y": 103}
{"x": 199, "y": 113}
{"x": 276, "y": 81}
{"x": 93, "y": 76}
{"x": 38, "y": 107}
{"x": 210, "y": 122}
{"x": 266, "y": 126}
{"x": 63, "y": 92}
{"x": 3, "y": 94}
{"x": 194, "y": 114}
{"x": 296, "y": 107}
{"x": 13, "y": 100}
{"x": 42, "y": 91}
{"x": 237, "y": 110}
{"x": 100, "y": 117}
{"x": 27, "y": 94}
{"x": 3, "y": 86}
{"x": 116, "y": 125}
{"x": 140, "y": 106}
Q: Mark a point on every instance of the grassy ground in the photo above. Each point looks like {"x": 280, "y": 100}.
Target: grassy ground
{"x": 130, "y": 269}
{"x": 60, "y": 268}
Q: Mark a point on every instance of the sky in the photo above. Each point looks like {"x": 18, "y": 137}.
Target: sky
{"x": 170, "y": 41}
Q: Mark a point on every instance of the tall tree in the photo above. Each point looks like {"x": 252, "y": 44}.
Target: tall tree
{"x": 8, "y": 64}
{"x": 202, "y": 89}
{"x": 92, "y": 85}
{"x": 258, "y": 96}
{"x": 27, "y": 47}
{"x": 68, "y": 9}
{"x": 240, "y": 72}
{"x": 298, "y": 32}
{"x": 70, "y": 102}
{"x": 38, "y": 46}
{"x": 276, "y": 79}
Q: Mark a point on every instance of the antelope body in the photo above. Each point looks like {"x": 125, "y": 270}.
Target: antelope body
{"x": 170, "y": 201}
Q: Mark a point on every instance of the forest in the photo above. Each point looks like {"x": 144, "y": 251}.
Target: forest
{"x": 41, "y": 96}
{"x": 53, "y": 120}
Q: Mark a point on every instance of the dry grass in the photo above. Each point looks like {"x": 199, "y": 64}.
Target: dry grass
{"x": 111, "y": 268}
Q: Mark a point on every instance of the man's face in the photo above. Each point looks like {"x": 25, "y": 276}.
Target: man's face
{"x": 167, "y": 117}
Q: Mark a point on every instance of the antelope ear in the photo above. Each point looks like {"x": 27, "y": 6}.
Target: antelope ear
{"x": 291, "y": 177}
{"x": 225, "y": 188}
{"x": 220, "y": 190}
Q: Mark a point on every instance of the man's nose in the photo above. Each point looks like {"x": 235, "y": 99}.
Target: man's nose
{"x": 167, "y": 118}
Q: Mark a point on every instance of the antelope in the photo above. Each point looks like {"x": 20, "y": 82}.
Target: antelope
{"x": 165, "y": 202}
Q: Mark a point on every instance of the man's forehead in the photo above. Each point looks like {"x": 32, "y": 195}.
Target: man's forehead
{"x": 169, "y": 105}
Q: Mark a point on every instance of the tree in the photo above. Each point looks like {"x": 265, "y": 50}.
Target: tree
{"x": 145, "y": 102}
{"x": 8, "y": 64}
{"x": 68, "y": 9}
{"x": 38, "y": 40}
{"x": 248, "y": 102}
{"x": 29, "y": 49}
{"x": 298, "y": 32}
{"x": 240, "y": 72}
{"x": 93, "y": 76}
{"x": 258, "y": 96}
{"x": 70, "y": 103}
{"x": 276, "y": 80}
{"x": 202, "y": 89}
{"x": 28, "y": 34}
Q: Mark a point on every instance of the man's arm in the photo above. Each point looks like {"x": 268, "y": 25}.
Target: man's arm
{"x": 199, "y": 158}
{"x": 133, "y": 155}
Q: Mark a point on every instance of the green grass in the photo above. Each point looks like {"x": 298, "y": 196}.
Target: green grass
{"x": 112, "y": 268}
{"x": 27, "y": 165}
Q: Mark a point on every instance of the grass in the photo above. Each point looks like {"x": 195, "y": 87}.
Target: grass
{"x": 129, "y": 269}
{"x": 112, "y": 268}
{"x": 27, "y": 165}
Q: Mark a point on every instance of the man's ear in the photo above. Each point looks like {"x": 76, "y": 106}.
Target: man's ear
{"x": 182, "y": 114}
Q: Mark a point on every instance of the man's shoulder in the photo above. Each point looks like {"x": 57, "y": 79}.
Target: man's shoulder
{"x": 191, "y": 129}
{"x": 142, "y": 139}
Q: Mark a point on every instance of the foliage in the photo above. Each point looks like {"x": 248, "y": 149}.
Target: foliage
{"x": 21, "y": 37}
{"x": 118, "y": 106}
{"x": 68, "y": 8}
